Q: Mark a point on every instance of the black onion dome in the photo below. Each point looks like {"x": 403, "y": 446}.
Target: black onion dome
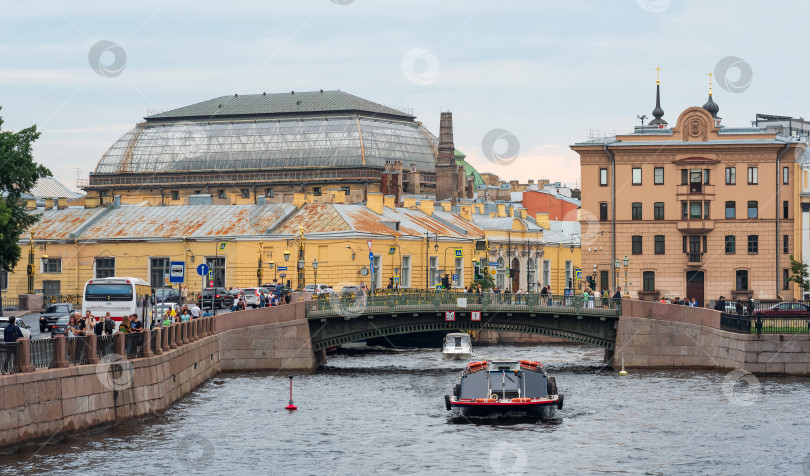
{"x": 712, "y": 107}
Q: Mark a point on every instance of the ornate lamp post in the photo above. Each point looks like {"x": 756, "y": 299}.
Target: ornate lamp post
{"x": 259, "y": 270}
{"x": 31, "y": 265}
{"x": 299, "y": 240}
{"x": 616, "y": 266}
{"x": 626, "y": 263}
{"x": 315, "y": 269}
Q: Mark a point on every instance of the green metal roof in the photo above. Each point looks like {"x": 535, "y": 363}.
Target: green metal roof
{"x": 279, "y": 104}
{"x": 468, "y": 169}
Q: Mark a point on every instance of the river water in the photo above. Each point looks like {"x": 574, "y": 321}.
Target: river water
{"x": 383, "y": 412}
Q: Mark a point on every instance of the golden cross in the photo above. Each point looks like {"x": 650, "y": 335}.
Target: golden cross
{"x": 710, "y": 82}
{"x": 658, "y": 74}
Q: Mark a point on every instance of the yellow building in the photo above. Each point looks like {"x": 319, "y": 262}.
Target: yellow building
{"x": 413, "y": 245}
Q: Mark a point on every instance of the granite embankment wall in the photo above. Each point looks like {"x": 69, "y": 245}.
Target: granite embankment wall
{"x": 47, "y": 403}
{"x": 665, "y": 335}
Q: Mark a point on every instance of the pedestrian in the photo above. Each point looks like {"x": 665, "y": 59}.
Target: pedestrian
{"x": 10, "y": 335}
{"x": 183, "y": 294}
{"x": 262, "y": 298}
{"x": 750, "y": 307}
{"x": 694, "y": 302}
{"x": 90, "y": 324}
{"x": 125, "y": 326}
{"x": 617, "y": 298}
{"x": 167, "y": 319}
{"x": 135, "y": 324}
{"x": 739, "y": 307}
{"x": 207, "y": 312}
{"x": 109, "y": 325}
{"x": 195, "y": 311}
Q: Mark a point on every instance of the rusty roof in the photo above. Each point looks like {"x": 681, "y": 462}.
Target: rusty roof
{"x": 138, "y": 223}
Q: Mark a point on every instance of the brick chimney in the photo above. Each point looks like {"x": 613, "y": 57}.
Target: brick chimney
{"x": 446, "y": 168}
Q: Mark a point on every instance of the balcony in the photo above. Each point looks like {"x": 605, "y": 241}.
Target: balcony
{"x": 695, "y": 226}
{"x": 694, "y": 259}
{"x": 695, "y": 191}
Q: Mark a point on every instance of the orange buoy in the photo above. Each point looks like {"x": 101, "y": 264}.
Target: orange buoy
{"x": 486, "y": 400}
{"x": 522, "y": 400}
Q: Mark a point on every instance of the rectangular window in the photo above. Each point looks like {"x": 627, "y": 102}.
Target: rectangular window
{"x": 636, "y": 210}
{"x": 706, "y": 214}
{"x": 706, "y": 176}
{"x": 705, "y": 244}
{"x": 603, "y": 211}
{"x": 405, "y": 279}
{"x": 636, "y": 176}
{"x": 434, "y": 271}
{"x": 216, "y": 265}
{"x": 459, "y": 272}
{"x": 158, "y": 269}
{"x": 3, "y": 279}
{"x": 684, "y": 244}
{"x": 753, "y": 244}
{"x": 731, "y": 244}
{"x": 546, "y": 272}
{"x": 785, "y": 177}
{"x": 695, "y": 181}
{"x": 753, "y": 209}
{"x": 105, "y": 268}
{"x": 785, "y": 242}
{"x": 245, "y": 193}
{"x": 785, "y": 209}
{"x": 175, "y": 195}
{"x": 684, "y": 210}
{"x": 753, "y": 175}
{"x": 742, "y": 280}
{"x": 51, "y": 265}
{"x": 649, "y": 280}
{"x": 658, "y": 211}
{"x": 637, "y": 245}
{"x": 603, "y": 177}
{"x": 731, "y": 175}
{"x": 658, "y": 176}
{"x": 268, "y": 192}
{"x": 569, "y": 274}
{"x": 785, "y": 277}
{"x": 694, "y": 210}
{"x": 221, "y": 194}
{"x": 694, "y": 249}
{"x": 731, "y": 210}
{"x": 659, "y": 245}
{"x": 684, "y": 176}
{"x": 316, "y": 191}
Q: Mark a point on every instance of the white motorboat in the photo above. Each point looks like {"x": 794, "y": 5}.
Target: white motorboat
{"x": 457, "y": 346}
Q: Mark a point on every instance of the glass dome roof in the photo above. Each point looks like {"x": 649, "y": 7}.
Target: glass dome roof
{"x": 331, "y": 141}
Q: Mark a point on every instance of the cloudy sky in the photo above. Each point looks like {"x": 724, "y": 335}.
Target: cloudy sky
{"x": 542, "y": 74}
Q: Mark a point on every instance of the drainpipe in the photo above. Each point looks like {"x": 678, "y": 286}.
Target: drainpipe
{"x": 612, "y": 212}
{"x": 778, "y": 204}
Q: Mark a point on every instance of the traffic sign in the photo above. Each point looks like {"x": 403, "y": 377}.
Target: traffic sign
{"x": 166, "y": 278}
{"x": 459, "y": 253}
{"x": 455, "y": 277}
{"x": 282, "y": 268}
{"x": 202, "y": 269}
{"x": 475, "y": 316}
{"x": 371, "y": 256}
{"x": 396, "y": 279}
{"x": 493, "y": 272}
{"x": 211, "y": 274}
{"x": 493, "y": 263}
{"x": 177, "y": 272}
{"x": 450, "y": 315}
{"x": 369, "y": 244}
{"x": 392, "y": 250}
{"x": 578, "y": 272}
{"x": 222, "y": 245}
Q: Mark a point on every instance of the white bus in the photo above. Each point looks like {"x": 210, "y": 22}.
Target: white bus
{"x": 118, "y": 296}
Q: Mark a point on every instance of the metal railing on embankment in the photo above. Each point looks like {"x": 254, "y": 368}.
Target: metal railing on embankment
{"x": 765, "y": 324}
{"x": 61, "y": 351}
{"x": 329, "y": 305}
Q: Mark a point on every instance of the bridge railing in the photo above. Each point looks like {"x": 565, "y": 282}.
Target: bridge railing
{"x": 764, "y": 324}
{"x": 353, "y": 304}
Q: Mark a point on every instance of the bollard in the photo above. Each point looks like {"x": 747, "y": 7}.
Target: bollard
{"x": 120, "y": 343}
{"x": 146, "y": 337}
{"x": 158, "y": 340}
{"x": 190, "y": 331}
{"x": 195, "y": 333}
{"x": 92, "y": 349}
{"x": 24, "y": 355}
{"x": 178, "y": 334}
{"x": 172, "y": 335}
{"x": 184, "y": 332}
{"x": 59, "y": 352}
{"x": 164, "y": 336}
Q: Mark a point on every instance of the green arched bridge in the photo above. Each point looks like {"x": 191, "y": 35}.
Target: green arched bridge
{"x": 340, "y": 319}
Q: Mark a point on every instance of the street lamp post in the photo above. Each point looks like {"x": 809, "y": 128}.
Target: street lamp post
{"x": 616, "y": 266}
{"x": 626, "y": 263}
{"x": 315, "y": 269}
{"x": 259, "y": 270}
{"x": 300, "y": 265}
{"x": 31, "y": 265}
{"x": 427, "y": 253}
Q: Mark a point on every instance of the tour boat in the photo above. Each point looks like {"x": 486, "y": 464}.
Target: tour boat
{"x": 505, "y": 389}
{"x": 457, "y": 346}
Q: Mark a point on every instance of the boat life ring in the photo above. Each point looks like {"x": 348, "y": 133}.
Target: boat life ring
{"x": 522, "y": 400}
{"x": 533, "y": 365}
{"x": 486, "y": 400}
{"x": 476, "y": 366}
{"x": 494, "y": 397}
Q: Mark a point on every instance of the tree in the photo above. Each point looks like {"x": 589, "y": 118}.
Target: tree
{"x": 799, "y": 274}
{"x": 18, "y": 174}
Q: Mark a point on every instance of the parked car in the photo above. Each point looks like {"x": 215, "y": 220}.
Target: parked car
{"x": 789, "y": 308}
{"x": 220, "y": 297}
{"x": 26, "y": 332}
{"x": 252, "y": 295}
{"x": 54, "y": 312}
{"x": 349, "y": 289}
{"x": 167, "y": 295}
{"x": 60, "y": 327}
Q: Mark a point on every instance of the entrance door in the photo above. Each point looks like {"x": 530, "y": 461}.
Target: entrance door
{"x": 694, "y": 286}
{"x": 515, "y": 275}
